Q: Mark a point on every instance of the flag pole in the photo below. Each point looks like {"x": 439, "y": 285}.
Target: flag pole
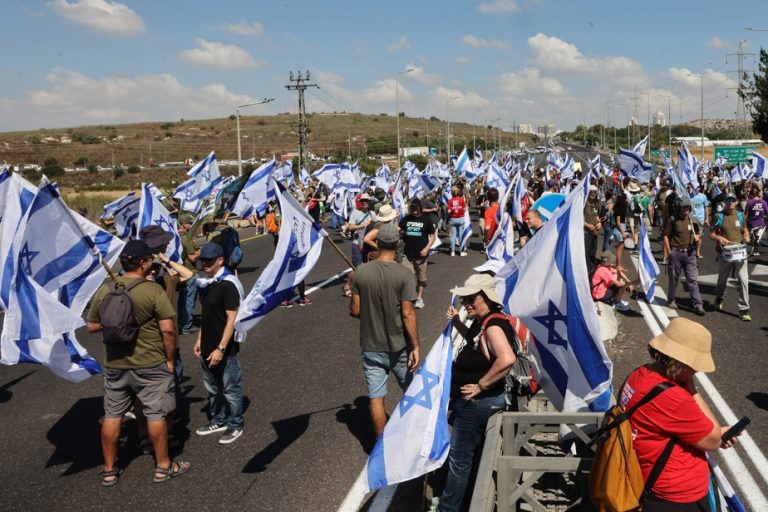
{"x": 341, "y": 253}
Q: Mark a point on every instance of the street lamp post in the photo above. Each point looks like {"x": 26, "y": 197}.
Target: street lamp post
{"x": 701, "y": 77}
{"x": 448, "y": 128}
{"x": 397, "y": 110}
{"x": 237, "y": 117}
{"x": 649, "y": 122}
{"x": 669, "y": 121}
{"x": 474, "y": 143}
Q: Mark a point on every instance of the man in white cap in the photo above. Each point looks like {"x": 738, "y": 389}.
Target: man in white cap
{"x": 383, "y": 292}
{"x": 676, "y": 428}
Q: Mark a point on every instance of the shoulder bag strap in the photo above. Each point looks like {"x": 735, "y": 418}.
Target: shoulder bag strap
{"x": 658, "y": 467}
{"x": 135, "y": 284}
{"x": 483, "y": 341}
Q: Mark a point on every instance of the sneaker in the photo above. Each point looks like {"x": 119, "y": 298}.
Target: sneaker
{"x": 418, "y": 303}
{"x": 744, "y": 315}
{"x": 453, "y": 253}
{"x": 622, "y": 306}
{"x": 210, "y": 428}
{"x": 230, "y": 435}
{"x": 719, "y": 304}
{"x": 463, "y": 253}
{"x": 287, "y": 303}
{"x": 700, "y": 311}
{"x": 189, "y": 330}
{"x": 664, "y": 262}
{"x": 672, "y": 304}
{"x": 304, "y": 301}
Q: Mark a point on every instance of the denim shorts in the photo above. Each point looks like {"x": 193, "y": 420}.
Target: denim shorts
{"x": 377, "y": 366}
{"x": 153, "y": 386}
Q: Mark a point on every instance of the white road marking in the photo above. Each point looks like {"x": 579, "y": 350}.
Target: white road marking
{"x": 752, "y": 493}
{"x": 356, "y": 495}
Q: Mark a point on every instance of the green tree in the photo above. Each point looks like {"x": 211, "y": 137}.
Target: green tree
{"x": 134, "y": 169}
{"x": 51, "y": 168}
{"x": 755, "y": 96}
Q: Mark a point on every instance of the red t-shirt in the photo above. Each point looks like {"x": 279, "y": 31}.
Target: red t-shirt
{"x": 490, "y": 220}
{"x": 456, "y": 207}
{"x": 602, "y": 279}
{"x": 673, "y": 413}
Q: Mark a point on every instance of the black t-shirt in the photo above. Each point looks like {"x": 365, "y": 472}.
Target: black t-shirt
{"x": 217, "y": 299}
{"x": 470, "y": 365}
{"x": 416, "y": 231}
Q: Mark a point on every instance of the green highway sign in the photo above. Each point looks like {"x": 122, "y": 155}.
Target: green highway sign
{"x": 661, "y": 152}
{"x": 735, "y": 154}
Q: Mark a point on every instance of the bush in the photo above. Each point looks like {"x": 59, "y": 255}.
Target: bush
{"x": 232, "y": 117}
{"x": 134, "y": 169}
{"x": 261, "y": 122}
{"x": 166, "y": 126}
{"x": 93, "y": 169}
{"x": 80, "y": 162}
{"x": 117, "y": 172}
{"x": 51, "y": 168}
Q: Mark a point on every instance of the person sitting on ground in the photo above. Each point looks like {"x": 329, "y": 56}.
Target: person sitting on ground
{"x": 608, "y": 283}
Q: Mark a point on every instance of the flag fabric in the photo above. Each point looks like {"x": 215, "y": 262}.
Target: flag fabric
{"x": 416, "y": 439}
{"x": 647, "y": 268}
{"x": 640, "y": 146}
{"x": 496, "y": 178}
{"x": 256, "y": 192}
{"x": 185, "y": 193}
{"x": 467, "y": 232}
{"x": 152, "y": 212}
{"x": 737, "y": 174}
{"x": 205, "y": 175}
{"x": 156, "y": 191}
{"x": 298, "y": 249}
{"x": 546, "y": 285}
{"x": 109, "y": 209}
{"x": 398, "y": 201}
{"x": 758, "y": 164}
{"x": 125, "y": 218}
{"x": 519, "y": 196}
{"x": 304, "y": 177}
{"x": 633, "y": 165}
{"x": 38, "y": 328}
{"x": 687, "y": 166}
{"x": 732, "y": 503}
{"x": 501, "y": 246}
{"x": 463, "y": 164}
{"x": 327, "y": 174}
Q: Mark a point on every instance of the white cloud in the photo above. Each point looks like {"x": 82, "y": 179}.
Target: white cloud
{"x": 219, "y": 55}
{"x": 245, "y": 29}
{"x": 103, "y": 15}
{"x": 401, "y": 43}
{"x": 717, "y": 43}
{"x": 73, "y": 98}
{"x": 529, "y": 82}
{"x": 418, "y": 74}
{"x": 499, "y": 6}
{"x": 552, "y": 53}
{"x": 461, "y": 59}
{"x": 479, "y": 42}
{"x": 459, "y": 100}
{"x": 377, "y": 97}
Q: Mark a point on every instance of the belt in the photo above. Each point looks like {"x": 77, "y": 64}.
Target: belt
{"x": 682, "y": 249}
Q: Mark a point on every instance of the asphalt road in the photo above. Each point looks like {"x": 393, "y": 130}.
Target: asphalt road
{"x": 307, "y": 432}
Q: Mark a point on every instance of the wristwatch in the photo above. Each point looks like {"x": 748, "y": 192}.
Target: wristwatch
{"x": 222, "y": 348}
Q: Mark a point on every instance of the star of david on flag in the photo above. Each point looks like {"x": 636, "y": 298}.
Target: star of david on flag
{"x": 546, "y": 285}
{"x": 416, "y": 438}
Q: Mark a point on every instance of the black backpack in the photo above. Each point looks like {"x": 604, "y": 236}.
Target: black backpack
{"x": 119, "y": 326}
{"x": 229, "y": 240}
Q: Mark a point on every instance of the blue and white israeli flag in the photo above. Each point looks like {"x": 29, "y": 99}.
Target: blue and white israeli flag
{"x": 633, "y": 165}
{"x": 155, "y": 191}
{"x": 737, "y": 174}
{"x": 729, "y": 500}
{"x": 298, "y": 248}
{"x": 110, "y": 208}
{"x": 48, "y": 279}
{"x": 467, "y": 232}
{"x": 497, "y": 178}
{"x": 640, "y": 146}
{"x": 398, "y": 201}
{"x": 185, "y": 193}
{"x": 206, "y": 175}
{"x": 647, "y": 266}
{"x": 328, "y": 174}
{"x": 463, "y": 164}
{"x": 256, "y": 192}
{"x": 126, "y": 216}
{"x": 152, "y": 212}
{"x": 520, "y": 194}
{"x": 546, "y": 285}
{"x": 416, "y": 439}
{"x": 304, "y": 177}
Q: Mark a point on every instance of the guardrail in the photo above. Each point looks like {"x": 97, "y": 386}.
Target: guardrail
{"x": 520, "y": 449}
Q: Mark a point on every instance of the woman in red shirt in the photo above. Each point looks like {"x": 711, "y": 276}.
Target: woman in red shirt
{"x": 679, "y": 415}
{"x": 456, "y": 208}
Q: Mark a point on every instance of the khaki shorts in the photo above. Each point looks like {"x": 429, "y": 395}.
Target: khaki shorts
{"x": 419, "y": 267}
{"x": 153, "y": 386}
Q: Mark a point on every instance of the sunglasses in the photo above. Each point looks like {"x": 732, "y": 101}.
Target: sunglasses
{"x": 469, "y": 298}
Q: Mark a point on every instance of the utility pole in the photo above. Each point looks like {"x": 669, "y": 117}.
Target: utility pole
{"x": 635, "y": 115}
{"x": 741, "y": 111}
{"x": 300, "y": 83}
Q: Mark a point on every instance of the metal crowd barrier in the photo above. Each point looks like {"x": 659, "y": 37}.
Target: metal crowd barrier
{"x": 522, "y": 465}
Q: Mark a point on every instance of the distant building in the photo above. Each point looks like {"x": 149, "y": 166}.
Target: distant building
{"x": 548, "y": 130}
{"x": 659, "y": 119}
{"x": 525, "y": 128}
{"x": 419, "y": 150}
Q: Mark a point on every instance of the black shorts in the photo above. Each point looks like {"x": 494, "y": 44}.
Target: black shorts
{"x": 610, "y": 295}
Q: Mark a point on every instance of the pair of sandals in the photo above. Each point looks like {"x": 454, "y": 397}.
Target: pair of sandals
{"x": 112, "y": 477}
{"x": 347, "y": 291}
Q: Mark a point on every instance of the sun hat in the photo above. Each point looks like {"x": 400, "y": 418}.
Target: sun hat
{"x": 688, "y": 342}
{"x": 592, "y": 188}
{"x": 608, "y": 258}
{"x": 155, "y": 236}
{"x": 386, "y": 213}
{"x": 479, "y": 283}
{"x": 633, "y": 187}
{"x": 388, "y": 233}
{"x": 365, "y": 197}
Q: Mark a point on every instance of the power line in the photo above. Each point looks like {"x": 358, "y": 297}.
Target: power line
{"x": 300, "y": 84}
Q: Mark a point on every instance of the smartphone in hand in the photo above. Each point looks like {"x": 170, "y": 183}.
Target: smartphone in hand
{"x": 737, "y": 429}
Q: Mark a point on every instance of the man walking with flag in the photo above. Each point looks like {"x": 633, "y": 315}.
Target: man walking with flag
{"x": 383, "y": 292}
{"x": 679, "y": 236}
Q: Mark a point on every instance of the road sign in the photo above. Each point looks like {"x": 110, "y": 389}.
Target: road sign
{"x": 735, "y": 154}
{"x": 661, "y": 152}
{"x": 433, "y": 151}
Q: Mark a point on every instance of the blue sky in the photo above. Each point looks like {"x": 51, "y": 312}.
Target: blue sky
{"x": 79, "y": 62}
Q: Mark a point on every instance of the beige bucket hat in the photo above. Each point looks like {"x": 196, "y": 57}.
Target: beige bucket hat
{"x": 479, "y": 283}
{"x": 688, "y": 342}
